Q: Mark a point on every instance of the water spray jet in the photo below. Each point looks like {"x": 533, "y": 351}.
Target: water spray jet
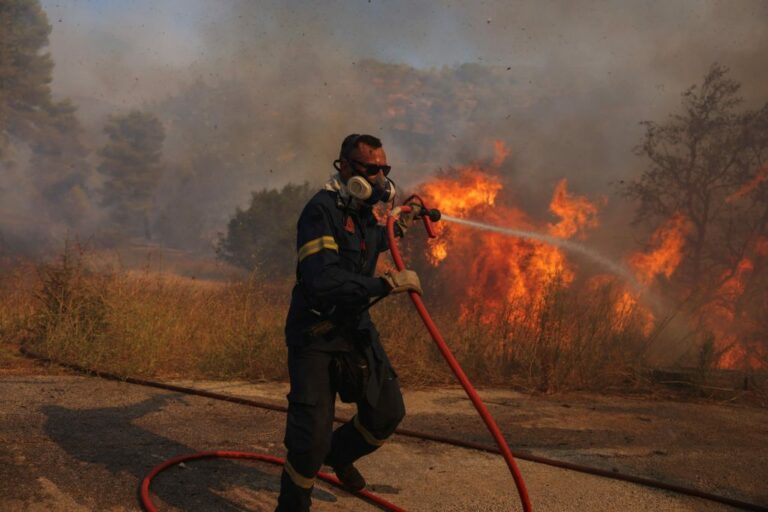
{"x": 569, "y": 245}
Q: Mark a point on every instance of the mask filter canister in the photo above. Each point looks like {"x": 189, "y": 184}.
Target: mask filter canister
{"x": 359, "y": 188}
{"x": 362, "y": 190}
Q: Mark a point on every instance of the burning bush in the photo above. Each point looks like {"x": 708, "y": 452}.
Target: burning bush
{"x": 708, "y": 170}
{"x": 495, "y": 280}
{"x": 525, "y": 313}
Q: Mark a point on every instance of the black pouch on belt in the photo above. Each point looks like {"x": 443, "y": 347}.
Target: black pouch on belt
{"x": 350, "y": 373}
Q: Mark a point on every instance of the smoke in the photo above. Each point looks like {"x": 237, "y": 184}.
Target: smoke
{"x": 259, "y": 94}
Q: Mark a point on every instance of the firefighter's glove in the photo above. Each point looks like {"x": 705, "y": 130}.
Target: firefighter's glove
{"x": 403, "y": 281}
{"x": 405, "y": 220}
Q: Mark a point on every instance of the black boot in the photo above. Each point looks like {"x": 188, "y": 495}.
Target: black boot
{"x": 350, "y": 477}
{"x": 292, "y": 497}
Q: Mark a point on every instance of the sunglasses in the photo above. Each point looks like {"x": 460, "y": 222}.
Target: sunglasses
{"x": 373, "y": 169}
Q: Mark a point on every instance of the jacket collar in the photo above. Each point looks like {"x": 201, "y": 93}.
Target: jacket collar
{"x": 343, "y": 200}
{"x": 334, "y": 184}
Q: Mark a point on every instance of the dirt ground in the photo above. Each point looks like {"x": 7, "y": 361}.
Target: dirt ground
{"x": 76, "y": 443}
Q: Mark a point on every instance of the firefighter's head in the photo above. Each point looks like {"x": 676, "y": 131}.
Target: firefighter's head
{"x": 363, "y": 167}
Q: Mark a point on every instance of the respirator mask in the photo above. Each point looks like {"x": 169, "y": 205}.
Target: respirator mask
{"x": 359, "y": 187}
{"x": 381, "y": 189}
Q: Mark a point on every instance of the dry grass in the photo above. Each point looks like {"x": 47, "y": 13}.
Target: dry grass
{"x": 558, "y": 342}
{"x": 150, "y": 323}
{"x": 17, "y": 301}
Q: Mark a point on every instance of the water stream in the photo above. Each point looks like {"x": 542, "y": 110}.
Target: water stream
{"x": 568, "y": 245}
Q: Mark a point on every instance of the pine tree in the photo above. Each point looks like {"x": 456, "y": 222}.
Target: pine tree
{"x": 25, "y": 72}
{"x": 30, "y": 117}
{"x": 131, "y": 164}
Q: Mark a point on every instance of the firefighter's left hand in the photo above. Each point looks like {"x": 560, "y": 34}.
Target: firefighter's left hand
{"x": 405, "y": 280}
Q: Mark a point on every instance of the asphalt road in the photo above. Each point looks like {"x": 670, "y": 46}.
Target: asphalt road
{"x": 74, "y": 443}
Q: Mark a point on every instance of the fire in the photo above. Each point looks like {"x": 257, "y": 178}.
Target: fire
{"x": 732, "y": 329}
{"x": 627, "y": 305}
{"x": 743, "y": 355}
{"x": 500, "y": 153}
{"x": 576, "y": 213}
{"x": 438, "y": 250}
{"x": 760, "y": 176}
{"x": 497, "y": 277}
{"x": 662, "y": 259}
{"x": 472, "y": 188}
{"x": 721, "y": 318}
{"x": 501, "y": 275}
{"x": 669, "y": 240}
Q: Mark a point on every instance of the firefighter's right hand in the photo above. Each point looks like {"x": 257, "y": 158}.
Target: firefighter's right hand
{"x": 405, "y": 220}
{"x": 403, "y": 281}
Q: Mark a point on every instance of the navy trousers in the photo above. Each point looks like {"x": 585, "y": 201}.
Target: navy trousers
{"x": 309, "y": 435}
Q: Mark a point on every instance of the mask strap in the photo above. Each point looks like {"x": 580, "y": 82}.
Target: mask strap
{"x": 394, "y": 196}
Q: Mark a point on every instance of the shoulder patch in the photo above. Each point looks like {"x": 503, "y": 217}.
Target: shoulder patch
{"x": 349, "y": 225}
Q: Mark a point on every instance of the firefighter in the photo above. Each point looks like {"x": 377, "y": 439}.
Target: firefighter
{"x": 333, "y": 347}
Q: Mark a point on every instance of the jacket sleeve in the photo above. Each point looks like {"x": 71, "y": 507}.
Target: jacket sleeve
{"x": 320, "y": 272}
{"x": 384, "y": 238}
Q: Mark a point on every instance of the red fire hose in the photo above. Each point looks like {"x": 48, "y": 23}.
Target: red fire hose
{"x": 146, "y": 501}
{"x": 144, "y": 492}
{"x": 451, "y": 360}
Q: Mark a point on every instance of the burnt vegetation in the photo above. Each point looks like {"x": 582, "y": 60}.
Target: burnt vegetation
{"x": 709, "y": 163}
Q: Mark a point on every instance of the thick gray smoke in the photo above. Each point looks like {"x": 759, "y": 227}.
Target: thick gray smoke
{"x": 258, "y": 94}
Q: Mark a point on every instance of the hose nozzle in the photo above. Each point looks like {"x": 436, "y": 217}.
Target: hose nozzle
{"x": 429, "y": 215}
{"x": 433, "y": 213}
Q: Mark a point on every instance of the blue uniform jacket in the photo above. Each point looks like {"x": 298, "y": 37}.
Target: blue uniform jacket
{"x": 338, "y": 248}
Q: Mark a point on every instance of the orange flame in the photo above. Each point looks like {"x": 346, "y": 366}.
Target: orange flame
{"x": 438, "y": 248}
{"x": 629, "y": 304}
{"x": 760, "y": 176}
{"x": 664, "y": 259}
{"x": 744, "y": 355}
{"x": 500, "y": 277}
{"x": 719, "y": 317}
{"x": 500, "y": 153}
{"x": 499, "y": 273}
{"x": 576, "y": 213}
{"x": 472, "y": 188}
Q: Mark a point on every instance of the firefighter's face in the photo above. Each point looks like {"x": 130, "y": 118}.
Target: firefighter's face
{"x": 365, "y": 160}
